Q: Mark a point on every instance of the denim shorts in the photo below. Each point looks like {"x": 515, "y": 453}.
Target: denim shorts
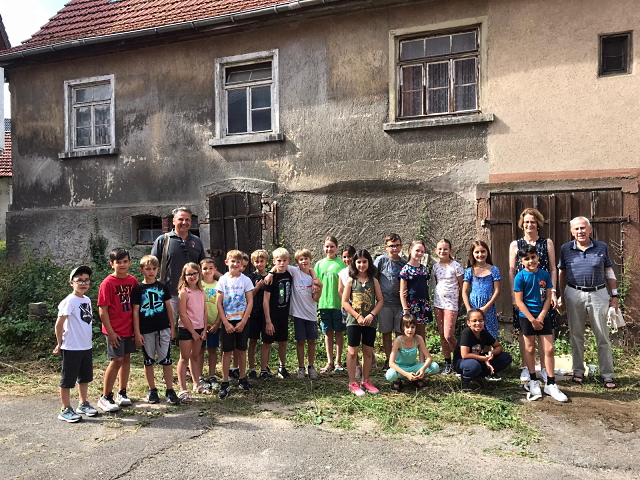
{"x": 331, "y": 319}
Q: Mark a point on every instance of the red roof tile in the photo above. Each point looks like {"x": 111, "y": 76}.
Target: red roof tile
{"x": 5, "y": 158}
{"x": 90, "y": 18}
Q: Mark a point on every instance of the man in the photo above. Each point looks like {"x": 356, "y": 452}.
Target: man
{"x": 588, "y": 288}
{"x": 183, "y": 248}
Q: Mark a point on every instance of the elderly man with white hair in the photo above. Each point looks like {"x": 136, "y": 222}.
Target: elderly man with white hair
{"x": 588, "y": 288}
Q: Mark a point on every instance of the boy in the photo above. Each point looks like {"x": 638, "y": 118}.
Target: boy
{"x": 259, "y": 259}
{"x": 212, "y": 343}
{"x": 73, "y": 332}
{"x": 152, "y": 327}
{"x": 235, "y": 301}
{"x": 304, "y": 304}
{"x": 114, "y": 304}
{"x": 389, "y": 266}
{"x": 234, "y": 373}
{"x": 532, "y": 287}
{"x": 277, "y": 298}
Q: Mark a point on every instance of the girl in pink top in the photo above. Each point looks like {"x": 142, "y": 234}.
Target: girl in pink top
{"x": 191, "y": 332}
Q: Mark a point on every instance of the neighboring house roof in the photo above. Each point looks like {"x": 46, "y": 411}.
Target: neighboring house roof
{"x": 5, "y": 157}
{"x": 82, "y": 19}
{"x": 4, "y": 38}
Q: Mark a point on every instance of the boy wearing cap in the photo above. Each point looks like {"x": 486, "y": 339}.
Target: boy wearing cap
{"x": 73, "y": 332}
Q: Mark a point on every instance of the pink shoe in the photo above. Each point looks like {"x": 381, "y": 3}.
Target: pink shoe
{"x": 355, "y": 388}
{"x": 369, "y": 387}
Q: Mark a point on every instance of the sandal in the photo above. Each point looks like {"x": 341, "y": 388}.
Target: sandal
{"x": 396, "y": 386}
{"x": 201, "y": 390}
{"x": 327, "y": 368}
{"x": 184, "y": 396}
{"x": 339, "y": 367}
{"x": 419, "y": 384}
{"x": 609, "y": 383}
{"x": 579, "y": 379}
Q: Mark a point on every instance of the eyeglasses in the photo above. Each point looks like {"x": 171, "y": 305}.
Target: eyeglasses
{"x": 395, "y": 245}
{"x": 191, "y": 274}
{"x": 82, "y": 282}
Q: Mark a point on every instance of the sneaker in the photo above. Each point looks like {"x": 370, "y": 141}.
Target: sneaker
{"x": 85, "y": 408}
{"x": 313, "y": 375}
{"x": 106, "y": 403}
{"x": 269, "y": 372}
{"x": 466, "y": 386}
{"x": 554, "y": 392}
{"x": 301, "y": 372}
{"x": 448, "y": 369}
{"x": 68, "y": 415}
{"x": 213, "y": 381}
{"x": 484, "y": 384}
{"x": 494, "y": 378}
{"x": 386, "y": 366}
{"x": 122, "y": 399}
{"x": 244, "y": 384}
{"x": 535, "y": 392}
{"x": 358, "y": 372}
{"x": 252, "y": 374}
{"x": 355, "y": 388}
{"x": 264, "y": 376}
{"x": 171, "y": 396}
{"x": 152, "y": 396}
{"x": 369, "y": 387}
{"x": 202, "y": 382}
{"x": 543, "y": 375}
{"x": 225, "y": 390}
{"x": 282, "y": 372}
{"x": 525, "y": 377}
{"x": 234, "y": 374}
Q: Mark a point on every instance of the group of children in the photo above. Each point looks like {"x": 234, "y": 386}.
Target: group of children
{"x": 349, "y": 293}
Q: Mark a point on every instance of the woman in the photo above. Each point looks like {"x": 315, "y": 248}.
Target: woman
{"x": 531, "y": 221}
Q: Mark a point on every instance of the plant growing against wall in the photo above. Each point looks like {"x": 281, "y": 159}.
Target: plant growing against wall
{"x": 97, "y": 244}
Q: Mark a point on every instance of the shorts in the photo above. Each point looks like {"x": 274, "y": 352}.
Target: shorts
{"x": 127, "y": 346}
{"x": 332, "y": 319}
{"x": 234, "y": 341}
{"x": 355, "y": 333}
{"x": 157, "y": 345}
{"x": 213, "y": 339}
{"x": 185, "y": 336}
{"x": 280, "y": 331}
{"x": 305, "y": 329}
{"x": 77, "y": 366}
{"x": 255, "y": 325}
{"x": 389, "y": 319}
{"x": 552, "y": 318}
{"x": 421, "y": 309}
{"x": 527, "y": 329}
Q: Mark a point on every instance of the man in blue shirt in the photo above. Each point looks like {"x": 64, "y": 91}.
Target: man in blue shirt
{"x": 588, "y": 288}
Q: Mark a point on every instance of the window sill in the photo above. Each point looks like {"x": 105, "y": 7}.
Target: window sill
{"x": 438, "y": 121}
{"x": 246, "y": 139}
{"x": 90, "y": 152}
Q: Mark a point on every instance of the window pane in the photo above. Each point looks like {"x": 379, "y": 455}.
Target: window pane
{"x": 264, "y": 74}
{"x": 102, "y": 135}
{"x": 83, "y": 117}
{"x": 438, "y": 46}
{"x": 412, "y": 103}
{"x": 101, "y": 92}
{"x": 237, "y": 77}
{"x": 463, "y": 42}
{"x": 145, "y": 236}
{"x": 261, "y": 97}
{"x": 83, "y": 95}
{"x": 244, "y": 73}
{"x": 613, "y": 47}
{"x": 465, "y": 71}
{"x": 237, "y": 111}
{"x": 412, "y": 78}
{"x": 412, "y": 49}
{"x": 438, "y": 75}
{"x": 83, "y": 137}
{"x": 613, "y": 64}
{"x": 101, "y": 113}
{"x": 438, "y": 101}
{"x": 261, "y": 120}
{"x": 466, "y": 98}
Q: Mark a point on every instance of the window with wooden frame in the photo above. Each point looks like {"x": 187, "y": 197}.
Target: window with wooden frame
{"x": 615, "y": 54}
{"x": 438, "y": 74}
{"x": 148, "y": 228}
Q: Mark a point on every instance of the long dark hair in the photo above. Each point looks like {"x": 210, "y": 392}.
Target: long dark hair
{"x": 371, "y": 269}
{"x": 478, "y": 243}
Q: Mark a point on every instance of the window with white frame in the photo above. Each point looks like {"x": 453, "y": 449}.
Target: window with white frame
{"x": 247, "y": 96}
{"x": 90, "y": 121}
{"x": 438, "y": 74}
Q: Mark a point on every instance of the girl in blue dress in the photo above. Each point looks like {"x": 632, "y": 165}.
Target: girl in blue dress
{"x": 481, "y": 285}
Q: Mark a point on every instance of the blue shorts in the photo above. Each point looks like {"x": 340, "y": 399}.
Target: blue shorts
{"x": 305, "y": 329}
{"x": 213, "y": 339}
{"x": 331, "y": 319}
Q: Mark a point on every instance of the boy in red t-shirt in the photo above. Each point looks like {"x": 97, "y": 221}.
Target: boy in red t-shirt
{"x": 114, "y": 304}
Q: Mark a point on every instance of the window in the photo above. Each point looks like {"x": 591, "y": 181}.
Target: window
{"x": 438, "y": 74}
{"x": 247, "y": 98}
{"x": 90, "y": 126}
{"x": 615, "y": 54}
{"x": 149, "y": 228}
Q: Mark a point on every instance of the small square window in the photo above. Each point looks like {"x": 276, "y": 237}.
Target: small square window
{"x": 148, "y": 229}
{"x": 615, "y": 54}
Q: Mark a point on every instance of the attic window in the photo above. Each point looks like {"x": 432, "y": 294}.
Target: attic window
{"x": 615, "y": 54}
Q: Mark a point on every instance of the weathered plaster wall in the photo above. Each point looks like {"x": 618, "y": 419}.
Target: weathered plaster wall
{"x": 5, "y": 188}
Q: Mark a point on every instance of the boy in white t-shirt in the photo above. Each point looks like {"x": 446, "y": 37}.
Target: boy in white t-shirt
{"x": 73, "y": 332}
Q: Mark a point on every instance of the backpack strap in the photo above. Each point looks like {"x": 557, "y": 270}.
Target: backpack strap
{"x": 165, "y": 253}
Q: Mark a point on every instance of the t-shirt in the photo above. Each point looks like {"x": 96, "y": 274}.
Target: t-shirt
{"x": 534, "y": 288}
{"x": 153, "y": 310}
{"x": 302, "y": 303}
{"x": 280, "y": 299}
{"x": 179, "y": 254}
{"x": 388, "y": 276}
{"x": 343, "y": 275}
{"x": 476, "y": 345}
{"x": 77, "y": 328}
{"x": 115, "y": 294}
{"x": 258, "y": 298}
{"x": 327, "y": 270}
{"x": 417, "y": 278}
{"x": 211, "y": 295}
{"x": 234, "y": 299}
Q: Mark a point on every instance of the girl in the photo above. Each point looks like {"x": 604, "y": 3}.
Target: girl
{"x": 329, "y": 305}
{"x": 446, "y": 299}
{"x": 403, "y": 363}
{"x": 414, "y": 290}
{"x": 348, "y": 251}
{"x": 481, "y": 285}
{"x": 191, "y": 332}
{"x": 362, "y": 299}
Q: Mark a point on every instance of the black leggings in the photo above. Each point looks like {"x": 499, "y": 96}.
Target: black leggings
{"x": 355, "y": 333}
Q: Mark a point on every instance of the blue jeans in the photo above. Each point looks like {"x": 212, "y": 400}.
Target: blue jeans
{"x": 470, "y": 368}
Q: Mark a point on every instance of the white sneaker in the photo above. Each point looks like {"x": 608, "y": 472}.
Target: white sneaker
{"x": 535, "y": 392}
{"x": 122, "y": 399}
{"x": 544, "y": 375}
{"x": 106, "y": 404}
{"x": 525, "y": 377}
{"x": 313, "y": 375}
{"x": 301, "y": 372}
{"x": 554, "y": 392}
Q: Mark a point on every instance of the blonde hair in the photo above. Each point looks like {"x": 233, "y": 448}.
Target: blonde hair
{"x": 281, "y": 252}
{"x": 303, "y": 252}
{"x": 235, "y": 254}
{"x": 149, "y": 260}
{"x": 531, "y": 211}
{"x": 259, "y": 254}
{"x": 182, "y": 284}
